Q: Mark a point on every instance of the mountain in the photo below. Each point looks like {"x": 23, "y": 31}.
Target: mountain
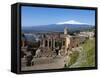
{"x": 59, "y": 27}
{"x": 71, "y": 22}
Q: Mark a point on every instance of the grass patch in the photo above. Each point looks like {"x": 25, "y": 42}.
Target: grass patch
{"x": 73, "y": 58}
{"x": 89, "y": 50}
{"x": 86, "y": 58}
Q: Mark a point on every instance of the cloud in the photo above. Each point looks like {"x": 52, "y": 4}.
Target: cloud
{"x": 71, "y": 22}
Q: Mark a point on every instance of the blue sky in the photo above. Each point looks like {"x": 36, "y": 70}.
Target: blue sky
{"x": 34, "y": 16}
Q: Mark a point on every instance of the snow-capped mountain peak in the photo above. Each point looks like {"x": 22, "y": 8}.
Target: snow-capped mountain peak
{"x": 70, "y": 22}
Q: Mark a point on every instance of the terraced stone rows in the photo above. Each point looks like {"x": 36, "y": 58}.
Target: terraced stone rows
{"x": 43, "y": 61}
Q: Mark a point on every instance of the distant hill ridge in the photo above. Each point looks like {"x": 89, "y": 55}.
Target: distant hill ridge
{"x": 57, "y": 27}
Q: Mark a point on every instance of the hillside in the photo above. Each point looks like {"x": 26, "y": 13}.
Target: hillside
{"x": 86, "y": 58}
{"x": 57, "y": 28}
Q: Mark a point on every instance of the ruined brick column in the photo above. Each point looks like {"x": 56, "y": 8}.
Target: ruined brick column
{"x": 51, "y": 44}
{"x": 67, "y": 42}
{"x": 54, "y": 44}
{"x": 61, "y": 42}
{"x": 48, "y": 43}
{"x": 43, "y": 42}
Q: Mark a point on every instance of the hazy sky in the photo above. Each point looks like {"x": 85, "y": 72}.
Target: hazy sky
{"x": 33, "y": 16}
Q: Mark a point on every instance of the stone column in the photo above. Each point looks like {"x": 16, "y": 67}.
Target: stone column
{"x": 43, "y": 43}
{"x": 54, "y": 44}
{"x": 65, "y": 44}
{"x": 48, "y": 43}
{"x": 51, "y": 43}
{"x": 61, "y": 42}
